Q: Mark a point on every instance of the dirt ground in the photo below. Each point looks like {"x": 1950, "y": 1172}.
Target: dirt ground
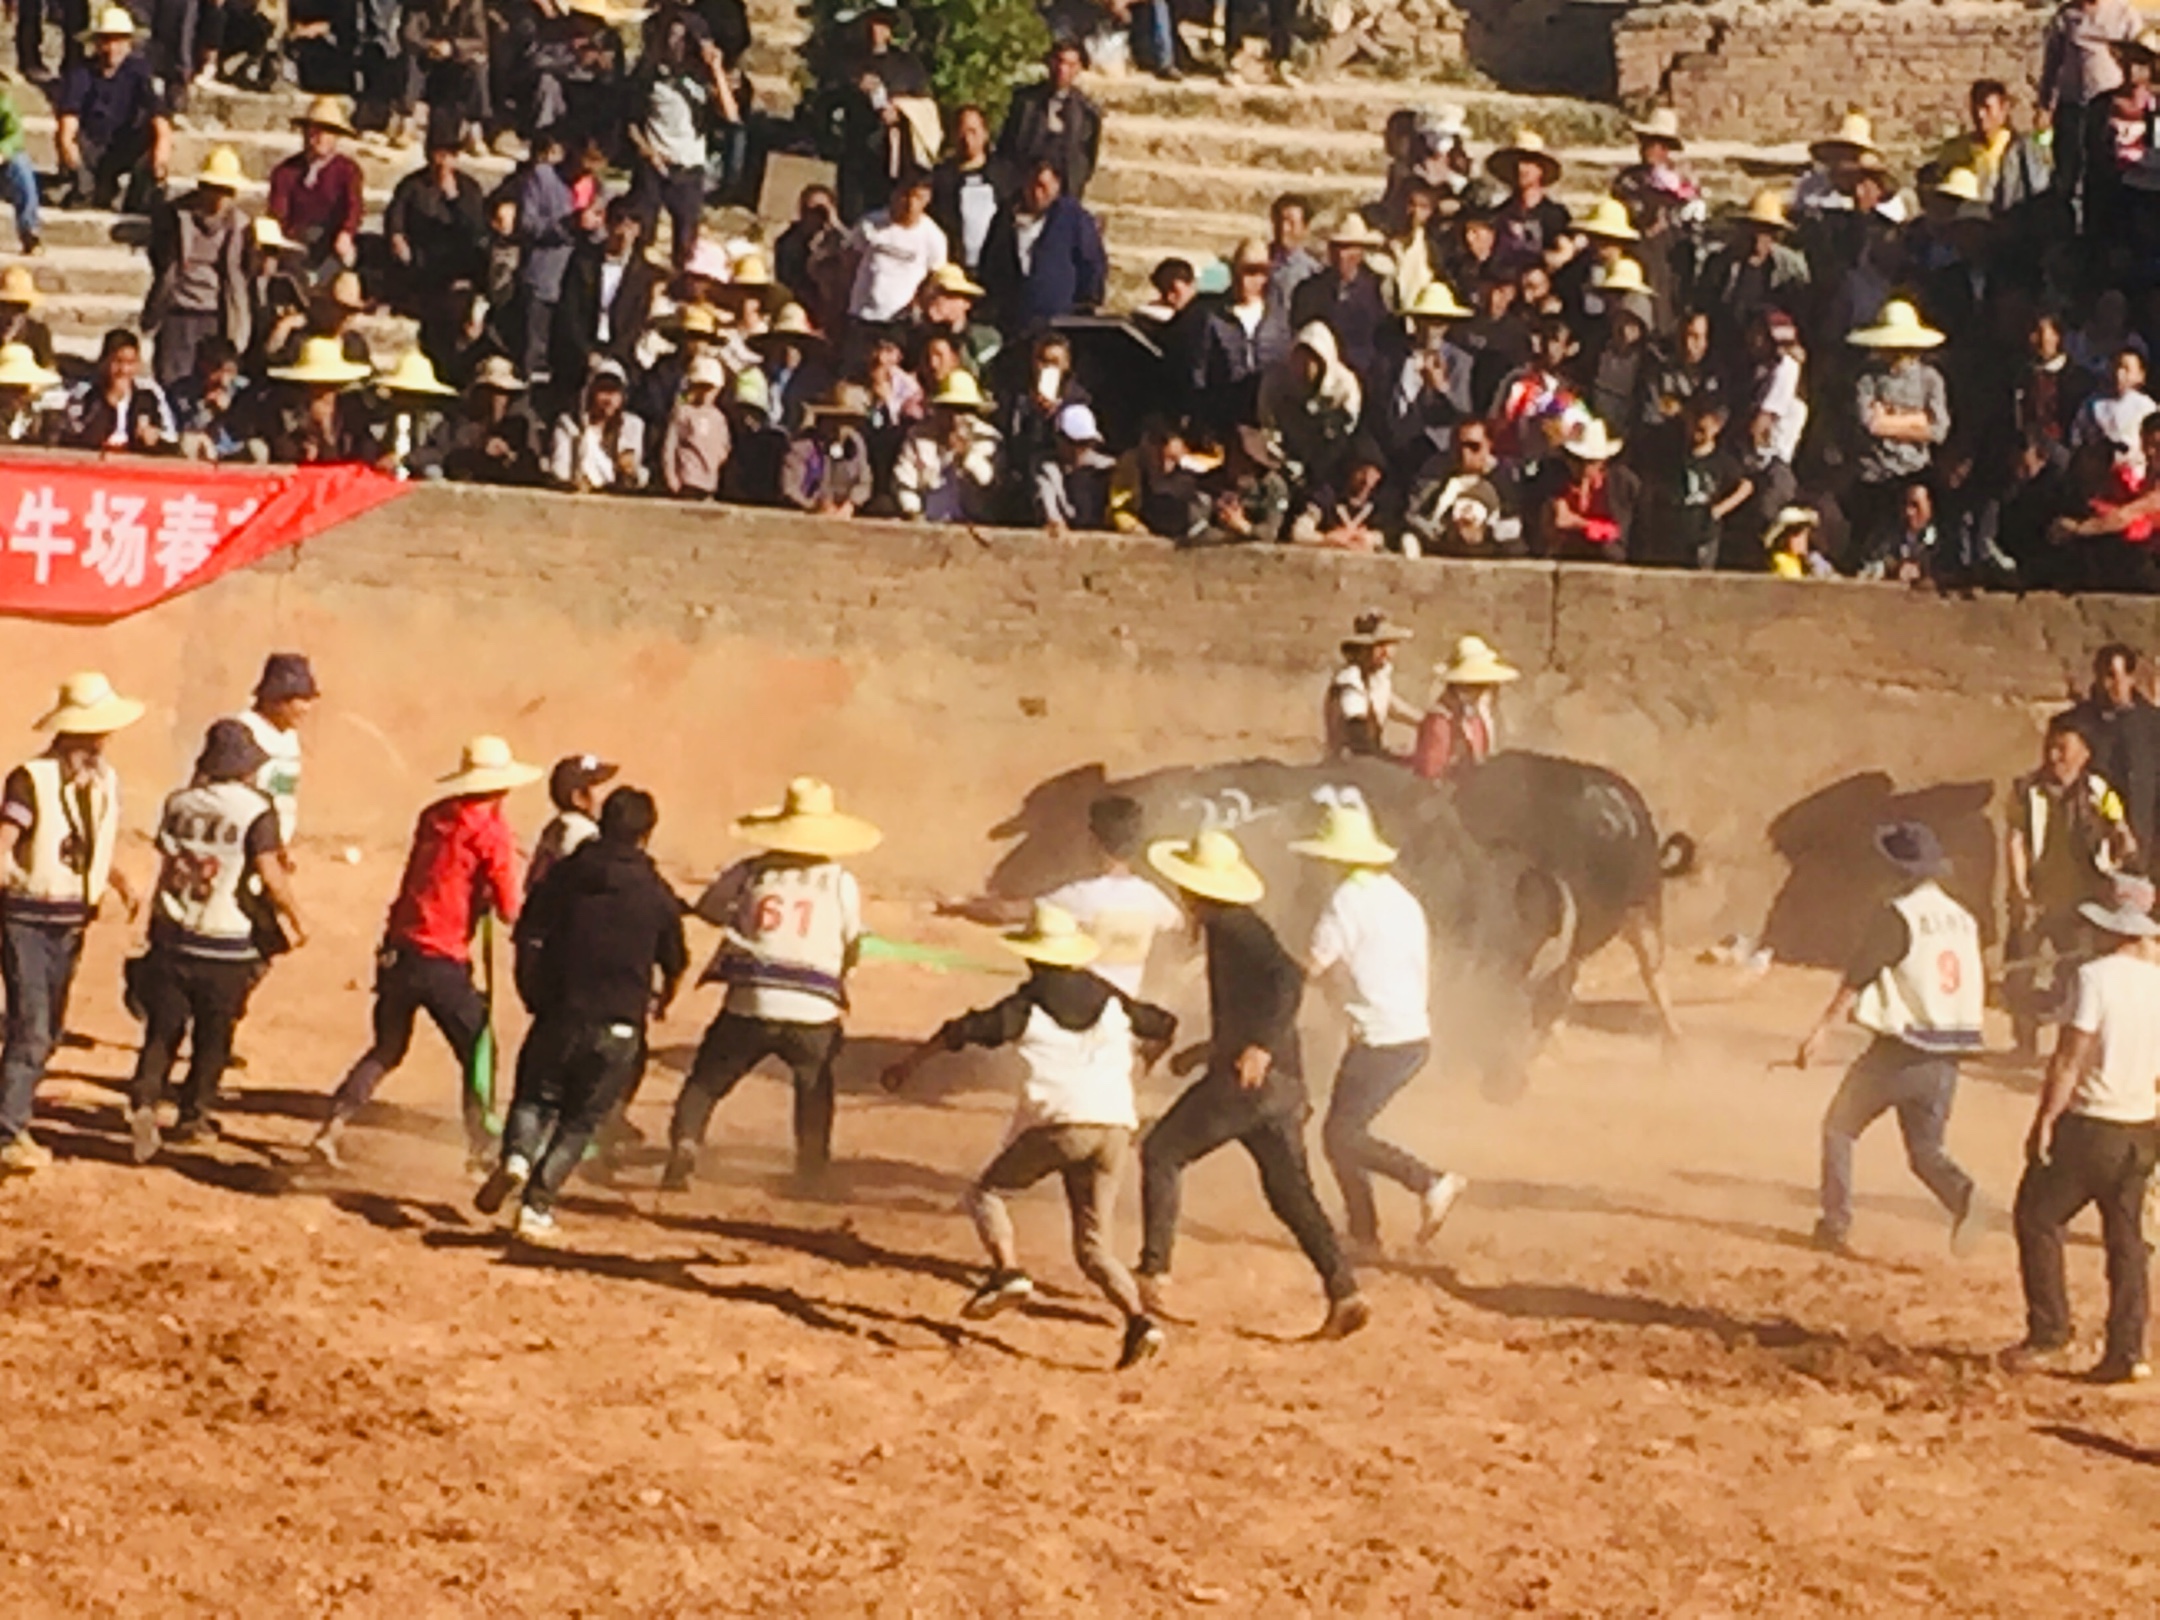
{"x": 1621, "y": 1385}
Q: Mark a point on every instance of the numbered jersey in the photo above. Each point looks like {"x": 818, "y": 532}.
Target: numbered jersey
{"x": 207, "y": 837}
{"x": 791, "y": 926}
{"x": 1934, "y": 997}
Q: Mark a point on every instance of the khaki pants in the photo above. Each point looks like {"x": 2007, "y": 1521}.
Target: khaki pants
{"x": 1089, "y": 1158}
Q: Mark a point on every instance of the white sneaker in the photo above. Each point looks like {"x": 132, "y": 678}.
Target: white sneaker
{"x": 1439, "y": 1198}
{"x": 534, "y": 1225}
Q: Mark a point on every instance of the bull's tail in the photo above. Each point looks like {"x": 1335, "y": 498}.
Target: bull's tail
{"x": 1676, "y": 856}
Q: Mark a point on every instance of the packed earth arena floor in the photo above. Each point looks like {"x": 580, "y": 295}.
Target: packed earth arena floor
{"x": 1621, "y": 1383}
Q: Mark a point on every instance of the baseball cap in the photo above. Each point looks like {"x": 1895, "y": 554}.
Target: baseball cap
{"x": 574, "y": 773}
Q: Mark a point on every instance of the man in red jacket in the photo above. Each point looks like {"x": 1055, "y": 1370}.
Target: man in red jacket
{"x": 463, "y": 863}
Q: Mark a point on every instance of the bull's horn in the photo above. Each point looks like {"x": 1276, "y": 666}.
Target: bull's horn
{"x": 1555, "y": 952}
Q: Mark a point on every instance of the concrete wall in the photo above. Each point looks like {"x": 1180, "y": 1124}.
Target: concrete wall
{"x": 939, "y": 677}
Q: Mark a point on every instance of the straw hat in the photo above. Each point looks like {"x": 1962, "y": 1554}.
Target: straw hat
{"x": 1053, "y": 937}
{"x": 89, "y": 707}
{"x": 955, "y": 282}
{"x": 221, "y": 169}
{"x": 960, "y": 392}
{"x": 695, "y": 320}
{"x": 1789, "y": 520}
{"x": 1527, "y": 146}
{"x": 322, "y": 363}
{"x": 113, "y": 22}
{"x": 1436, "y": 301}
{"x": 326, "y": 112}
{"x": 499, "y": 375}
{"x": 1897, "y": 328}
{"x": 2127, "y": 912}
{"x": 791, "y": 325}
{"x": 19, "y": 368}
{"x": 414, "y": 374}
{"x": 706, "y": 371}
{"x": 269, "y": 234}
{"x": 1855, "y": 138}
{"x": 1476, "y": 664}
{"x": 848, "y": 402}
{"x": 1766, "y": 207}
{"x": 1210, "y": 865}
{"x": 750, "y": 272}
{"x": 1623, "y": 276}
{"x": 488, "y": 766}
{"x": 1960, "y": 185}
{"x": 1372, "y": 628}
{"x": 1356, "y": 231}
{"x": 19, "y": 286}
{"x": 604, "y": 12}
{"x": 1348, "y": 838}
{"x": 808, "y": 822}
{"x": 1591, "y": 440}
{"x": 1663, "y": 124}
{"x": 1608, "y": 217}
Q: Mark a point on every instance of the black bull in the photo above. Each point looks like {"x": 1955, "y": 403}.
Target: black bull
{"x": 1525, "y": 867}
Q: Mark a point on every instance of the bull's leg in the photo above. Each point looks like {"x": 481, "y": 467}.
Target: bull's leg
{"x": 1646, "y": 938}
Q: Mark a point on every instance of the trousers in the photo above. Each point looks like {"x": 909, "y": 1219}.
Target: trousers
{"x": 1269, "y": 1124}
{"x": 571, "y": 1074}
{"x": 37, "y": 962}
{"x": 1089, "y": 1160}
{"x": 195, "y": 997}
{"x": 408, "y": 983}
{"x": 733, "y": 1046}
{"x": 2093, "y": 1161}
{"x": 1921, "y": 1086}
{"x": 1369, "y": 1079}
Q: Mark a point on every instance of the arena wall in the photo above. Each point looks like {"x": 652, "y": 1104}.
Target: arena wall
{"x": 941, "y": 678}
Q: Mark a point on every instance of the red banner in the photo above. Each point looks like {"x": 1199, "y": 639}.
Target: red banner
{"x": 96, "y": 540}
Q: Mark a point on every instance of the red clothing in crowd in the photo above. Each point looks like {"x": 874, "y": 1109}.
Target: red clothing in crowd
{"x": 309, "y": 199}
{"x": 1589, "y": 497}
{"x": 463, "y": 862}
{"x": 1450, "y": 741}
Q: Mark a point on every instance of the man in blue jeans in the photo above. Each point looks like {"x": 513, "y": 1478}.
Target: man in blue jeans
{"x": 59, "y": 827}
{"x": 1918, "y": 985}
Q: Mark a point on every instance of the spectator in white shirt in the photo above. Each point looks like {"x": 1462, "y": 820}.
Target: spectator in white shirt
{"x": 2117, "y": 414}
{"x": 2094, "y": 1139}
{"x": 895, "y": 249}
{"x": 1118, "y": 908}
{"x": 1374, "y": 931}
{"x": 600, "y": 445}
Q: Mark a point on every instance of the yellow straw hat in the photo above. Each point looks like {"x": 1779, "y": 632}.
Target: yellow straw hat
{"x": 1436, "y": 301}
{"x": 1960, "y": 185}
{"x": 113, "y": 22}
{"x": 1855, "y": 138}
{"x": 326, "y": 112}
{"x": 19, "y": 286}
{"x": 1766, "y": 207}
{"x": 1663, "y": 124}
{"x": 1053, "y": 937}
{"x": 809, "y": 822}
{"x": 322, "y": 363}
{"x": 1348, "y": 838}
{"x": 19, "y": 368}
{"x": 1210, "y": 865}
{"x": 1476, "y": 664}
{"x": 488, "y": 766}
{"x": 1528, "y": 145}
{"x": 1608, "y": 217}
{"x": 270, "y": 234}
{"x": 221, "y": 169}
{"x": 1625, "y": 276}
{"x": 89, "y": 707}
{"x": 1898, "y": 327}
{"x": 414, "y": 374}
{"x": 960, "y": 392}
{"x": 750, "y": 272}
{"x": 951, "y": 279}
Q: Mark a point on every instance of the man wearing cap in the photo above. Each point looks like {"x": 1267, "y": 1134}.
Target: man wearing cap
{"x": 1072, "y": 485}
{"x": 199, "y": 285}
{"x": 222, "y": 884}
{"x": 600, "y": 952}
{"x": 283, "y": 696}
{"x": 574, "y": 787}
{"x": 1252, "y": 1089}
{"x": 1374, "y": 932}
{"x": 462, "y": 866}
{"x": 317, "y": 194}
{"x": 1919, "y": 987}
{"x": 1078, "y": 1036}
{"x": 2094, "y": 1139}
{"x": 114, "y": 138}
{"x": 1361, "y": 697}
{"x": 59, "y": 828}
{"x": 791, "y": 922}
{"x": 1462, "y": 728}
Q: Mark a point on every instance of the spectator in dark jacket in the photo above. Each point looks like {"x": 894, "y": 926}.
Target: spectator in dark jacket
{"x": 114, "y": 138}
{"x": 1229, "y": 356}
{"x": 498, "y": 441}
{"x": 552, "y": 220}
{"x": 447, "y": 42}
{"x": 1055, "y": 123}
{"x": 968, "y": 188}
{"x": 436, "y": 226}
{"x": 2123, "y": 727}
{"x": 1348, "y": 299}
{"x": 1044, "y": 258}
{"x": 607, "y": 295}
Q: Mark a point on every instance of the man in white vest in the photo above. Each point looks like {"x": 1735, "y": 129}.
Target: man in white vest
{"x": 1078, "y": 1035}
{"x": 791, "y": 921}
{"x": 283, "y": 696}
{"x": 59, "y": 826}
{"x": 221, "y": 850}
{"x": 1361, "y": 696}
{"x": 1919, "y": 987}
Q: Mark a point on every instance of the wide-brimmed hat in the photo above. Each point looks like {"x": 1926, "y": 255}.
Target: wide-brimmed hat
{"x": 1866, "y": 165}
{"x": 1476, "y": 664}
{"x": 286, "y": 675}
{"x": 960, "y": 392}
{"x": 1789, "y": 520}
{"x": 2127, "y": 911}
{"x": 1766, "y": 208}
{"x": 1960, "y": 185}
{"x": 1053, "y": 937}
{"x": 749, "y": 272}
{"x": 230, "y": 753}
{"x": 488, "y": 766}
{"x": 1436, "y": 301}
{"x": 1897, "y": 328}
{"x": 1348, "y": 838}
{"x": 809, "y": 822}
{"x": 1590, "y": 440}
{"x": 1663, "y": 124}
{"x": 849, "y": 402}
{"x": 951, "y": 280}
{"x": 706, "y": 371}
{"x": 1372, "y": 628}
{"x": 19, "y": 368}
{"x": 790, "y": 325}
{"x": 499, "y": 375}
{"x": 1855, "y": 136}
{"x": 221, "y": 170}
{"x": 89, "y": 707}
{"x": 696, "y": 321}
{"x": 1913, "y": 848}
{"x": 1608, "y": 217}
{"x": 1210, "y": 865}
{"x": 2142, "y": 47}
{"x": 113, "y": 22}
{"x": 326, "y": 112}
{"x": 414, "y": 374}
{"x": 19, "y": 286}
{"x": 270, "y": 234}
{"x": 1355, "y": 230}
{"x": 321, "y": 363}
{"x": 1621, "y": 276}
{"x": 1527, "y": 146}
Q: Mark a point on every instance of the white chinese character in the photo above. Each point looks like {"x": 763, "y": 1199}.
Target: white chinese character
{"x": 36, "y": 532}
{"x": 115, "y": 542}
{"x": 187, "y": 533}
{"x": 241, "y": 513}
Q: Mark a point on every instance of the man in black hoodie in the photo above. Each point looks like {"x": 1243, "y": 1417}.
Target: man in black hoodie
{"x": 600, "y": 949}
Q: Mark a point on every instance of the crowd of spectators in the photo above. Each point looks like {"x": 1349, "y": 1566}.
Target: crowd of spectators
{"x": 1937, "y": 377}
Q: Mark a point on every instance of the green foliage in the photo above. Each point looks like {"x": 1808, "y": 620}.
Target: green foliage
{"x": 976, "y": 51}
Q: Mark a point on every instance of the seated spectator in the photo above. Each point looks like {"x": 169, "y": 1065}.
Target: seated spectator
{"x": 946, "y": 307}
{"x": 207, "y": 405}
{"x": 1757, "y": 271}
{"x": 968, "y": 188}
{"x": 1054, "y": 125}
{"x": 2050, "y": 391}
{"x": 600, "y": 445}
{"x": 1175, "y": 284}
{"x": 1228, "y": 363}
{"x": 114, "y": 136}
{"x": 1413, "y": 259}
{"x": 1152, "y": 488}
{"x": 1789, "y": 545}
{"x": 947, "y": 471}
{"x": 1457, "y": 508}
{"x": 497, "y": 441}
{"x": 1027, "y": 423}
{"x": 26, "y": 390}
{"x": 319, "y": 418}
{"x": 116, "y": 407}
{"x": 199, "y": 286}
{"x": 1044, "y": 258}
{"x": 1531, "y": 401}
{"x": 416, "y": 429}
{"x": 1902, "y": 411}
{"x": 1656, "y": 187}
{"x": 278, "y": 302}
{"x": 317, "y": 195}
{"x": 437, "y": 230}
{"x": 337, "y": 303}
{"x": 1590, "y": 517}
{"x": 811, "y": 258}
{"x": 19, "y": 295}
{"x": 1072, "y": 486}
{"x": 2115, "y": 414}
{"x": 18, "y": 180}
{"x": 1247, "y": 500}
{"x": 608, "y": 292}
{"x": 1346, "y": 515}
{"x": 1313, "y": 401}
{"x": 1908, "y": 553}
{"x": 792, "y": 359}
{"x": 894, "y": 249}
{"x": 1619, "y": 374}
{"x": 694, "y": 448}
{"x": 1431, "y": 388}
{"x": 827, "y": 471}
{"x": 1348, "y": 298}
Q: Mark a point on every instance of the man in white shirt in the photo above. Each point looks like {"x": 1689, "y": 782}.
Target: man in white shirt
{"x": 895, "y": 249}
{"x": 1361, "y": 697}
{"x": 1374, "y": 931}
{"x": 1118, "y": 908}
{"x": 283, "y": 697}
{"x": 574, "y": 786}
{"x": 2094, "y": 1139}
